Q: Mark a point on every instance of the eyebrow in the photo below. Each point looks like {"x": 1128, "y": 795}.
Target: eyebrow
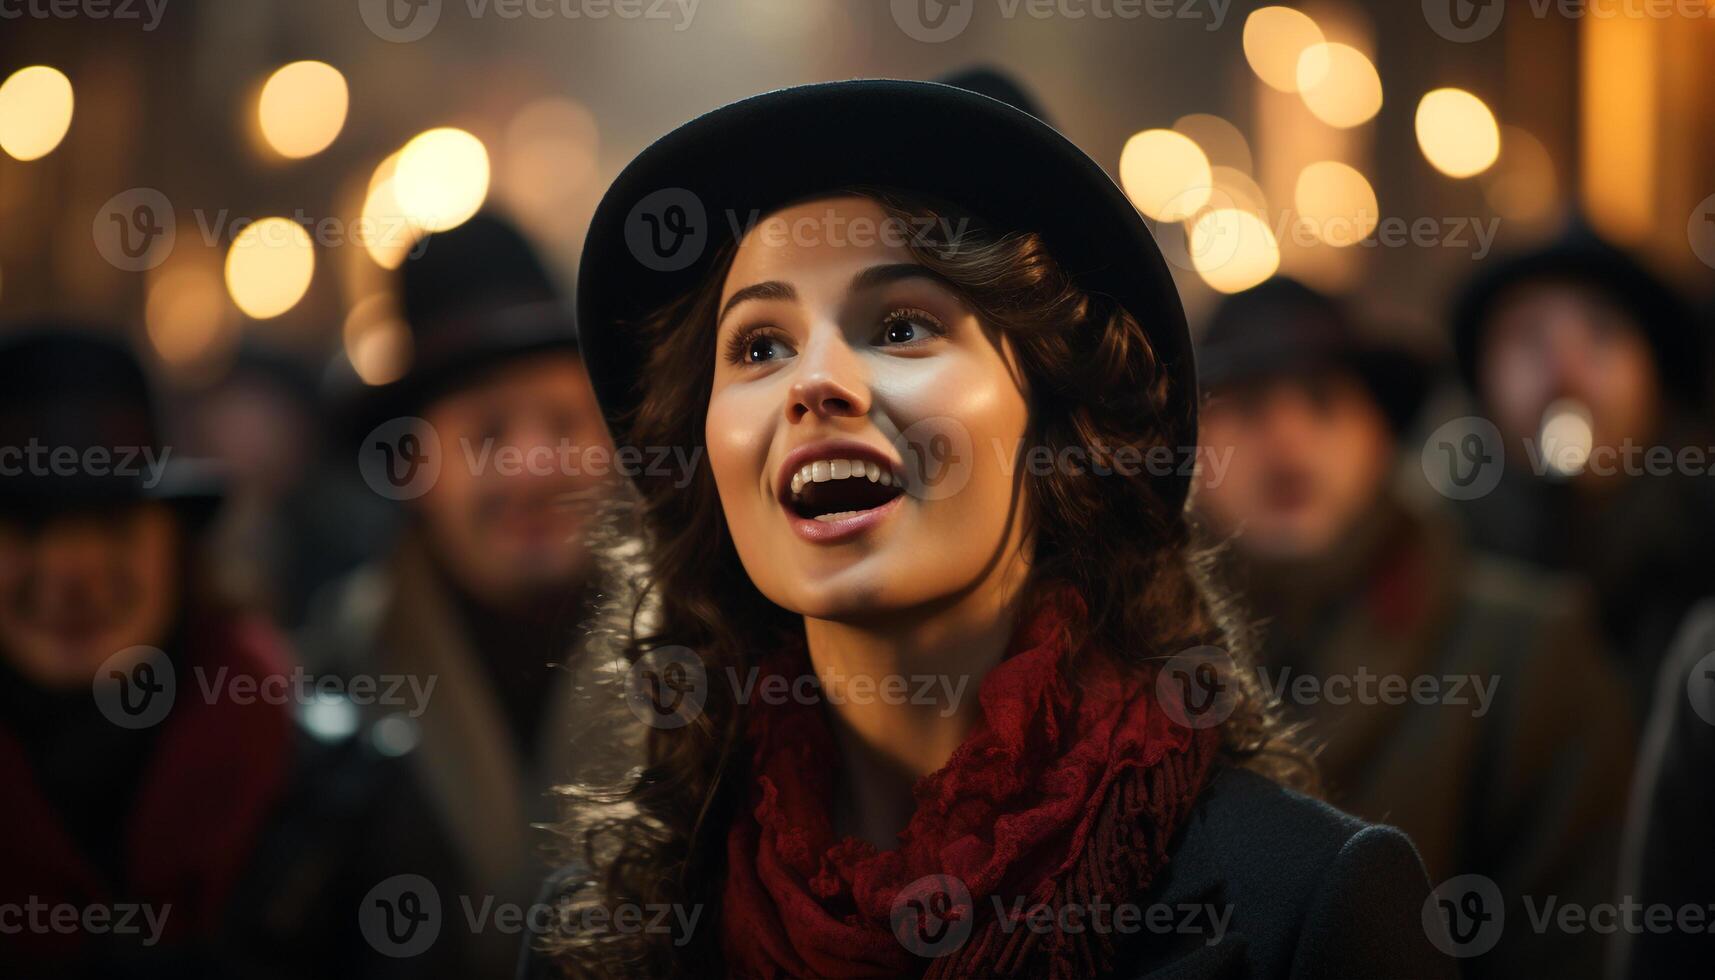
{"x": 772, "y": 289}
{"x": 871, "y": 278}
{"x": 881, "y": 275}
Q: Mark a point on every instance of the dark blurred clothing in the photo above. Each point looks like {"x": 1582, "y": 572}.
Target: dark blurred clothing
{"x": 498, "y": 730}
{"x": 1528, "y": 788}
{"x": 1645, "y": 549}
{"x": 252, "y": 838}
{"x": 1669, "y": 861}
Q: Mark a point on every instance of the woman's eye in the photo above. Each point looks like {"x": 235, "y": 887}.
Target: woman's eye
{"x": 908, "y": 326}
{"x": 756, "y": 347}
{"x": 762, "y": 349}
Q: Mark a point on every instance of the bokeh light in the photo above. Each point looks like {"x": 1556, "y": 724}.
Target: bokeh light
{"x": 1566, "y": 437}
{"x": 377, "y": 342}
{"x": 1233, "y": 250}
{"x": 1165, "y": 174}
{"x": 35, "y": 111}
{"x": 1457, "y": 132}
{"x": 1339, "y": 85}
{"x": 1275, "y": 38}
{"x": 1336, "y": 202}
{"x": 388, "y": 232}
{"x": 1524, "y": 186}
{"x": 302, "y": 108}
{"x": 188, "y": 317}
{"x": 549, "y": 155}
{"x": 1219, "y": 140}
{"x": 1235, "y": 189}
{"x": 441, "y": 178}
{"x": 269, "y": 266}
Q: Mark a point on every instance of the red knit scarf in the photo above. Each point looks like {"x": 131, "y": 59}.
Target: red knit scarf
{"x": 1065, "y": 793}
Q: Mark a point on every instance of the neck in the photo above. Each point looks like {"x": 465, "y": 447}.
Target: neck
{"x": 901, "y": 692}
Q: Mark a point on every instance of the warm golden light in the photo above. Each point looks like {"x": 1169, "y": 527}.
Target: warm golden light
{"x": 302, "y": 108}
{"x": 1457, "y": 132}
{"x": 1339, "y": 85}
{"x": 1219, "y": 140}
{"x": 268, "y": 267}
{"x": 1621, "y": 139}
{"x": 187, "y": 315}
{"x": 1336, "y": 203}
{"x": 441, "y": 178}
{"x": 388, "y": 232}
{"x": 1165, "y": 174}
{"x": 377, "y": 343}
{"x": 1235, "y": 189}
{"x": 1524, "y": 187}
{"x": 1233, "y": 250}
{"x": 35, "y": 111}
{"x": 549, "y": 156}
{"x": 1275, "y": 38}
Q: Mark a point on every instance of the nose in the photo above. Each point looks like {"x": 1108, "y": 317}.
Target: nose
{"x": 831, "y": 381}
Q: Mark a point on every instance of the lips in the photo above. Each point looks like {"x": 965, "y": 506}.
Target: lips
{"x": 833, "y": 488}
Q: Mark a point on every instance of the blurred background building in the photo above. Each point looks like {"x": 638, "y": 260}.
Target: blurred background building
{"x": 1358, "y": 133}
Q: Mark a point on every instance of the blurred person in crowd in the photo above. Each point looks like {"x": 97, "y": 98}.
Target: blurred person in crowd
{"x": 1515, "y": 764}
{"x": 1592, "y": 370}
{"x": 860, "y": 403}
{"x": 1668, "y": 871}
{"x": 289, "y": 525}
{"x": 484, "y": 591}
{"x": 176, "y": 806}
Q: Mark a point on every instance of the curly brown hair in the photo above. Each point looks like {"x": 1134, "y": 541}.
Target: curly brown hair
{"x": 1123, "y": 542}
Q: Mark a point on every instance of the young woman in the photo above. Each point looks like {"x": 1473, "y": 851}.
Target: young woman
{"x": 937, "y": 389}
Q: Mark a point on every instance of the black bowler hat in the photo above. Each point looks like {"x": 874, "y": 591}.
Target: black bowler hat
{"x": 473, "y": 297}
{"x": 1581, "y": 257}
{"x": 1283, "y": 328}
{"x": 79, "y": 429}
{"x": 658, "y": 229}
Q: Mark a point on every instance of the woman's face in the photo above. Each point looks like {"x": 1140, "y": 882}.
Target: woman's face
{"x": 863, "y": 423}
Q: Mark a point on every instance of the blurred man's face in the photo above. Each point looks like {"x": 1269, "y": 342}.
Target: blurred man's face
{"x": 76, "y": 590}
{"x": 516, "y": 488}
{"x": 1551, "y": 341}
{"x": 1308, "y": 457}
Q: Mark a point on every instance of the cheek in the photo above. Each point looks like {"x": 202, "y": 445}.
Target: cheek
{"x": 738, "y": 432}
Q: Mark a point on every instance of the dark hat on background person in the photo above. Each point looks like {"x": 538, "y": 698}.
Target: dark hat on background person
{"x": 996, "y": 84}
{"x": 1283, "y": 328}
{"x": 1583, "y": 258}
{"x": 472, "y": 297}
{"x": 671, "y": 212}
{"x": 80, "y": 429}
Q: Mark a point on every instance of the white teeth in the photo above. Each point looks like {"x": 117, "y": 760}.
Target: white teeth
{"x": 823, "y": 470}
{"x": 839, "y": 516}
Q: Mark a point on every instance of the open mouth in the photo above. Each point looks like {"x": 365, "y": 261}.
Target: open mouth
{"x": 831, "y": 490}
